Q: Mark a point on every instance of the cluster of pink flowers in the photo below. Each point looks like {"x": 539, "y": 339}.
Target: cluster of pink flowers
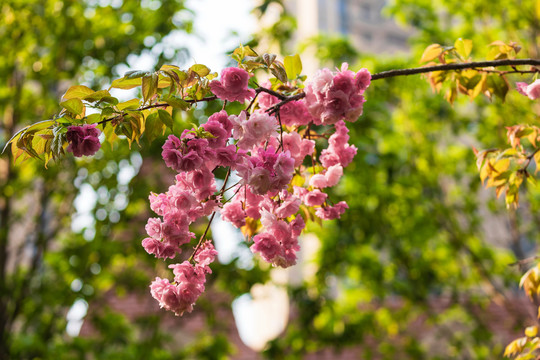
{"x": 333, "y": 97}
{"x": 266, "y": 158}
{"x": 83, "y": 140}
{"x": 188, "y": 282}
{"x": 233, "y": 85}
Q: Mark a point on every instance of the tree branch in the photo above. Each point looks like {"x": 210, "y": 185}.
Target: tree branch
{"x": 163, "y": 105}
{"x": 427, "y": 69}
{"x": 460, "y": 66}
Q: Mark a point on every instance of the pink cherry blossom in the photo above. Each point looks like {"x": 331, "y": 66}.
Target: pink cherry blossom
{"x": 334, "y": 97}
{"x": 532, "y": 91}
{"x": 83, "y": 140}
{"x": 233, "y": 85}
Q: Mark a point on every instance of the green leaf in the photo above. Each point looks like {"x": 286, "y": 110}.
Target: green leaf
{"x": 177, "y": 103}
{"x": 497, "y": 86}
{"x": 129, "y": 105}
{"x": 96, "y": 96}
{"x": 74, "y": 106}
{"x": 149, "y": 86}
{"x": 166, "y": 118}
{"x": 126, "y": 84}
{"x": 154, "y": 126}
{"x": 109, "y": 100}
{"x": 200, "y": 70}
{"x": 463, "y": 48}
{"x": 19, "y": 137}
{"x": 77, "y": 92}
{"x": 168, "y": 67}
{"x": 135, "y": 74}
{"x": 432, "y": 52}
{"x": 94, "y": 118}
{"x": 293, "y": 66}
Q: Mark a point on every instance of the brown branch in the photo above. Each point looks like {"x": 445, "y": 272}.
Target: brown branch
{"x": 163, "y": 105}
{"x": 459, "y": 66}
{"x": 426, "y": 69}
{"x": 529, "y": 158}
{"x": 211, "y": 218}
{"x": 524, "y": 261}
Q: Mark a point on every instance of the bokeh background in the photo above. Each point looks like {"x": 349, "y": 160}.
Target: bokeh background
{"x": 418, "y": 268}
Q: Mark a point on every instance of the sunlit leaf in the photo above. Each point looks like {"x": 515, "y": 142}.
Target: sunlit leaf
{"x": 200, "y": 69}
{"x": 129, "y": 105}
{"x": 293, "y": 66}
{"x": 432, "y": 52}
{"x": 463, "y": 48}
{"x": 77, "y": 92}
{"x": 74, "y": 106}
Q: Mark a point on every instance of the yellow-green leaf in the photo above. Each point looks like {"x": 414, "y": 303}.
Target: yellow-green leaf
{"x": 149, "y": 86}
{"x": 77, "y": 92}
{"x": 177, "y": 102}
{"x": 129, "y": 105}
{"x": 97, "y": 96}
{"x": 463, "y": 47}
{"x": 432, "y": 52}
{"x": 200, "y": 70}
{"x": 73, "y": 105}
{"x": 531, "y": 331}
{"x": 293, "y": 66}
{"x": 126, "y": 84}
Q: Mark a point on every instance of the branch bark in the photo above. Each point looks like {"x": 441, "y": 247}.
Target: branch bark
{"x": 460, "y": 66}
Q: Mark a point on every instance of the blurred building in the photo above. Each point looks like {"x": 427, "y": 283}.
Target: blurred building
{"x": 362, "y": 21}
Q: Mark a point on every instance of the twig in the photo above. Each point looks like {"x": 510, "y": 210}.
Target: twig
{"x": 211, "y": 218}
{"x": 460, "y": 66}
{"x": 202, "y": 237}
{"x": 529, "y": 158}
{"x": 524, "y": 261}
{"x": 163, "y": 105}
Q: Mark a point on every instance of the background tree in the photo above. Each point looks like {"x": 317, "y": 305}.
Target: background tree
{"x": 416, "y": 249}
{"x": 414, "y": 243}
{"x": 44, "y": 266}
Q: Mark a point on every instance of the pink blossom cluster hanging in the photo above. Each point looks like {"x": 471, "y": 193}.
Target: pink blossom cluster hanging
{"x": 268, "y": 145}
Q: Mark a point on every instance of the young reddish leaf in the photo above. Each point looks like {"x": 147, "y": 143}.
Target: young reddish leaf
{"x": 268, "y": 59}
{"x": 149, "y": 86}
{"x": 279, "y": 72}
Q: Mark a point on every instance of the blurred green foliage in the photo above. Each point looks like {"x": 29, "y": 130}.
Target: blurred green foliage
{"x": 409, "y": 272}
{"x": 406, "y": 273}
{"x": 45, "y": 267}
